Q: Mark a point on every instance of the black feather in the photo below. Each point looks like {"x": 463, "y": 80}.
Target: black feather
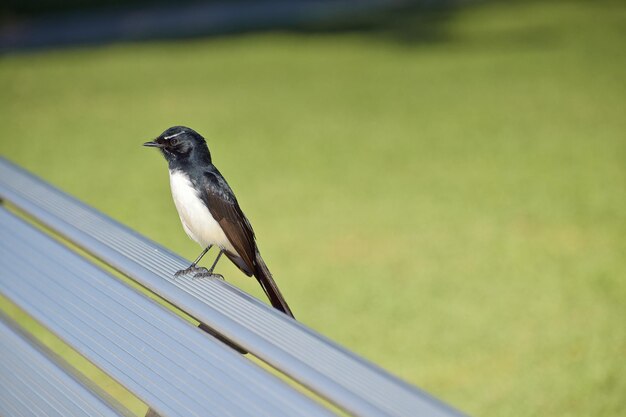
{"x": 225, "y": 209}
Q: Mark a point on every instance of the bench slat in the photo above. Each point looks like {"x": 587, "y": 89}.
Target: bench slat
{"x": 33, "y": 382}
{"x": 167, "y": 362}
{"x": 328, "y": 369}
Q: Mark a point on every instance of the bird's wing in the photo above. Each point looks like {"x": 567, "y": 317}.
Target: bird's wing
{"x": 223, "y": 205}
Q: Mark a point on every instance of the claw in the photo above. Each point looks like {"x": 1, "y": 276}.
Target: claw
{"x": 208, "y": 274}
{"x": 194, "y": 269}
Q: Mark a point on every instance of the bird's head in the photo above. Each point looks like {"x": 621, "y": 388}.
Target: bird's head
{"x": 180, "y": 143}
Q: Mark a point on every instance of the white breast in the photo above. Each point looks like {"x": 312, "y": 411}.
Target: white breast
{"x": 197, "y": 221}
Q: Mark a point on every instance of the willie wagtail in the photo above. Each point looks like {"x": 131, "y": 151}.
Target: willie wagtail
{"x": 209, "y": 210}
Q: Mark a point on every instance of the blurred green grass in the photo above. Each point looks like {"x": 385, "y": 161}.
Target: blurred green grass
{"x": 452, "y": 209}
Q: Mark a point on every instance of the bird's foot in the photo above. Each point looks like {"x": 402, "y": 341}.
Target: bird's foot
{"x": 207, "y": 274}
{"x": 192, "y": 269}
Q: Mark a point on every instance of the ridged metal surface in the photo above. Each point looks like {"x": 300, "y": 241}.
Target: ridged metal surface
{"x": 33, "y": 383}
{"x": 171, "y": 365}
{"x": 333, "y": 372}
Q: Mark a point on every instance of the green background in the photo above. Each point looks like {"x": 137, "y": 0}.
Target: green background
{"x": 449, "y": 203}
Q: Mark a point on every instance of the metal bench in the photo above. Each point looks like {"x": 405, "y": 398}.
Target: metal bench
{"x": 175, "y": 368}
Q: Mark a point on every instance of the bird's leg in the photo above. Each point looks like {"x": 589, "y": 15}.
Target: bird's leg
{"x": 192, "y": 267}
{"x": 210, "y": 273}
{"x": 200, "y": 256}
{"x": 215, "y": 262}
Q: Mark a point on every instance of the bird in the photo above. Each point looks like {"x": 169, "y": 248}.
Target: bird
{"x": 209, "y": 211}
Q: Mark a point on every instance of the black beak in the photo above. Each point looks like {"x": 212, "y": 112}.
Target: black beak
{"x": 153, "y": 144}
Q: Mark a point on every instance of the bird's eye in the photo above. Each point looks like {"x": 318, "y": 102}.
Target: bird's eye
{"x": 174, "y": 142}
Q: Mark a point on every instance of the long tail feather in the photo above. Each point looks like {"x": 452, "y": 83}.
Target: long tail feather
{"x": 264, "y": 276}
